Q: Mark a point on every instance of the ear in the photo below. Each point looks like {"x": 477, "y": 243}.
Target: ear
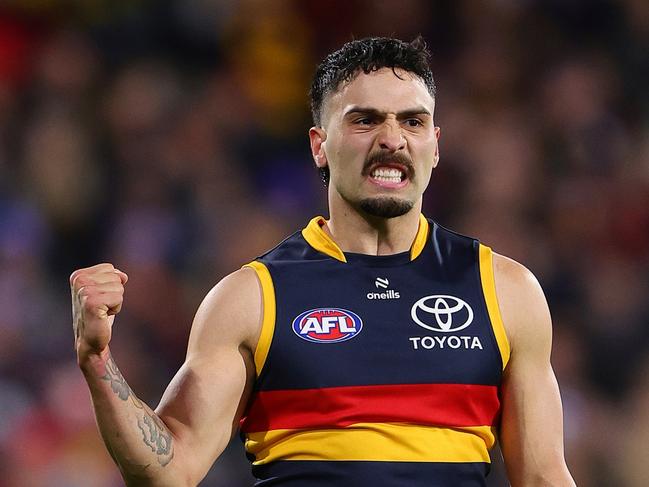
{"x": 317, "y": 137}
{"x": 438, "y": 133}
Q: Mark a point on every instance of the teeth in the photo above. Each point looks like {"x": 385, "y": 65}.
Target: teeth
{"x": 391, "y": 175}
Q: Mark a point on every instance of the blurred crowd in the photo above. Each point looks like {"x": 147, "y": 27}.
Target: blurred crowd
{"x": 169, "y": 138}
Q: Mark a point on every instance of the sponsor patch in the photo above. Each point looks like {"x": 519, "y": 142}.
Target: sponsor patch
{"x": 442, "y": 313}
{"x": 327, "y": 325}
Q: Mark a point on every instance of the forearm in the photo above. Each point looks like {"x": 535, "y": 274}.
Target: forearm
{"x": 137, "y": 439}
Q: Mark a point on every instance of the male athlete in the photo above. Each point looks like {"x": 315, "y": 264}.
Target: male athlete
{"x": 373, "y": 348}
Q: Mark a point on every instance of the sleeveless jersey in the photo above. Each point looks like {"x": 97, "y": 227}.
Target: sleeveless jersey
{"x": 376, "y": 370}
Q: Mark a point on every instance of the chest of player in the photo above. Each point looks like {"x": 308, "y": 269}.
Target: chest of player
{"x": 348, "y": 324}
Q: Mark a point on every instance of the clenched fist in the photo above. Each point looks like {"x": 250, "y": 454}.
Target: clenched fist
{"x": 97, "y": 295}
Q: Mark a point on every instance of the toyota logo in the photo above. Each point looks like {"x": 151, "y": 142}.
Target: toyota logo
{"x": 442, "y": 313}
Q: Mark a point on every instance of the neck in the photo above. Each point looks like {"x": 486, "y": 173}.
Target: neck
{"x": 364, "y": 234}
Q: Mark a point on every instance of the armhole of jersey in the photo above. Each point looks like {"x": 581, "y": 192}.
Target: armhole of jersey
{"x": 489, "y": 292}
{"x": 268, "y": 309}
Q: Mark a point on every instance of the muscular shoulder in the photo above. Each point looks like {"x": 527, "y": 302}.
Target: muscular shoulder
{"x": 523, "y": 306}
{"x": 230, "y": 314}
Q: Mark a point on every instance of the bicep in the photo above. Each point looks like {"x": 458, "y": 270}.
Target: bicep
{"x": 531, "y": 432}
{"x": 204, "y": 401}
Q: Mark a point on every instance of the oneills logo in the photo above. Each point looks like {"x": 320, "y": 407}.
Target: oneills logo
{"x": 383, "y": 283}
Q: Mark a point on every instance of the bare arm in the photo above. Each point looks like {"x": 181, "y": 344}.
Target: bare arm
{"x": 176, "y": 444}
{"x": 531, "y": 433}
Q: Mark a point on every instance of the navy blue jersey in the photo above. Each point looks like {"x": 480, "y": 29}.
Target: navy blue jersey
{"x": 376, "y": 370}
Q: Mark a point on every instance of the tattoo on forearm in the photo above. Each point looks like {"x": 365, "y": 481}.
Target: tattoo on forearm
{"x": 154, "y": 433}
{"x": 116, "y": 379}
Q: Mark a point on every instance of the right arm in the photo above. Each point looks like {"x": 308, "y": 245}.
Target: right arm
{"x": 177, "y": 443}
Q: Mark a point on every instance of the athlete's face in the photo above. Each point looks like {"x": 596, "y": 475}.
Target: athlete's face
{"x": 379, "y": 141}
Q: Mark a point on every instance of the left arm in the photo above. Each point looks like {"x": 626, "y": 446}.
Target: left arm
{"x": 531, "y": 431}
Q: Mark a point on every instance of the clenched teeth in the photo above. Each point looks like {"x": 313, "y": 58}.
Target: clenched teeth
{"x": 391, "y": 175}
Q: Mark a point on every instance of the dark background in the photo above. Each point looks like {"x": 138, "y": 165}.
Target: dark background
{"x": 170, "y": 138}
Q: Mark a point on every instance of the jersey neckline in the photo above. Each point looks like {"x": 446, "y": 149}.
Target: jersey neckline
{"x": 317, "y": 238}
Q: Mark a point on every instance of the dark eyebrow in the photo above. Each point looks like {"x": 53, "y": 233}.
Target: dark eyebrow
{"x": 356, "y": 110}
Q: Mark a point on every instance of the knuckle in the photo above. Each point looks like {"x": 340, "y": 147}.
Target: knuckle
{"x": 81, "y": 282}
{"x": 82, "y": 275}
{"x": 85, "y": 292}
{"x": 74, "y": 278}
{"x": 82, "y": 279}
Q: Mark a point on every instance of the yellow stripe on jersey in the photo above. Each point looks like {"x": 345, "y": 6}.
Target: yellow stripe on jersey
{"x": 268, "y": 321}
{"x": 420, "y": 238}
{"x": 380, "y": 442}
{"x": 489, "y": 291}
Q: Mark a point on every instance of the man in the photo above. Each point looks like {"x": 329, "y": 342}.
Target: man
{"x": 375, "y": 348}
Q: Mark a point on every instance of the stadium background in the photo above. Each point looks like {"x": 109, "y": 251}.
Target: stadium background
{"x": 169, "y": 137}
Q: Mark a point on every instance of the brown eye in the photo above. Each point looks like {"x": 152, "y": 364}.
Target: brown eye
{"x": 414, "y": 122}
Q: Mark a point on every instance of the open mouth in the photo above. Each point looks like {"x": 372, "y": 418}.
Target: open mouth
{"x": 389, "y": 176}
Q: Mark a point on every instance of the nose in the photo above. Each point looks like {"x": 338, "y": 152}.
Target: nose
{"x": 390, "y": 137}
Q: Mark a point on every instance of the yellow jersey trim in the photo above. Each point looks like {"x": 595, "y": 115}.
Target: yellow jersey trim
{"x": 420, "y": 239}
{"x": 489, "y": 291}
{"x": 381, "y": 442}
{"x": 268, "y": 321}
{"x": 317, "y": 238}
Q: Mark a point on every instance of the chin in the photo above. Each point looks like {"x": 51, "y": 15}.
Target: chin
{"x": 385, "y": 207}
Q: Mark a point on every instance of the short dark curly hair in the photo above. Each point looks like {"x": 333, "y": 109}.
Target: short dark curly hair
{"x": 367, "y": 55}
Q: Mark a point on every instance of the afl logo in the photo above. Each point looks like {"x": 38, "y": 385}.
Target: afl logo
{"x": 327, "y": 325}
{"x": 442, "y": 313}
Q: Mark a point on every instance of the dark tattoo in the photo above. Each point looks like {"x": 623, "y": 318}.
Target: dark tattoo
{"x": 154, "y": 433}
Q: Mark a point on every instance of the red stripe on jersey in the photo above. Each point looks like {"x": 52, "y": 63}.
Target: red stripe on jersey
{"x": 338, "y": 407}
